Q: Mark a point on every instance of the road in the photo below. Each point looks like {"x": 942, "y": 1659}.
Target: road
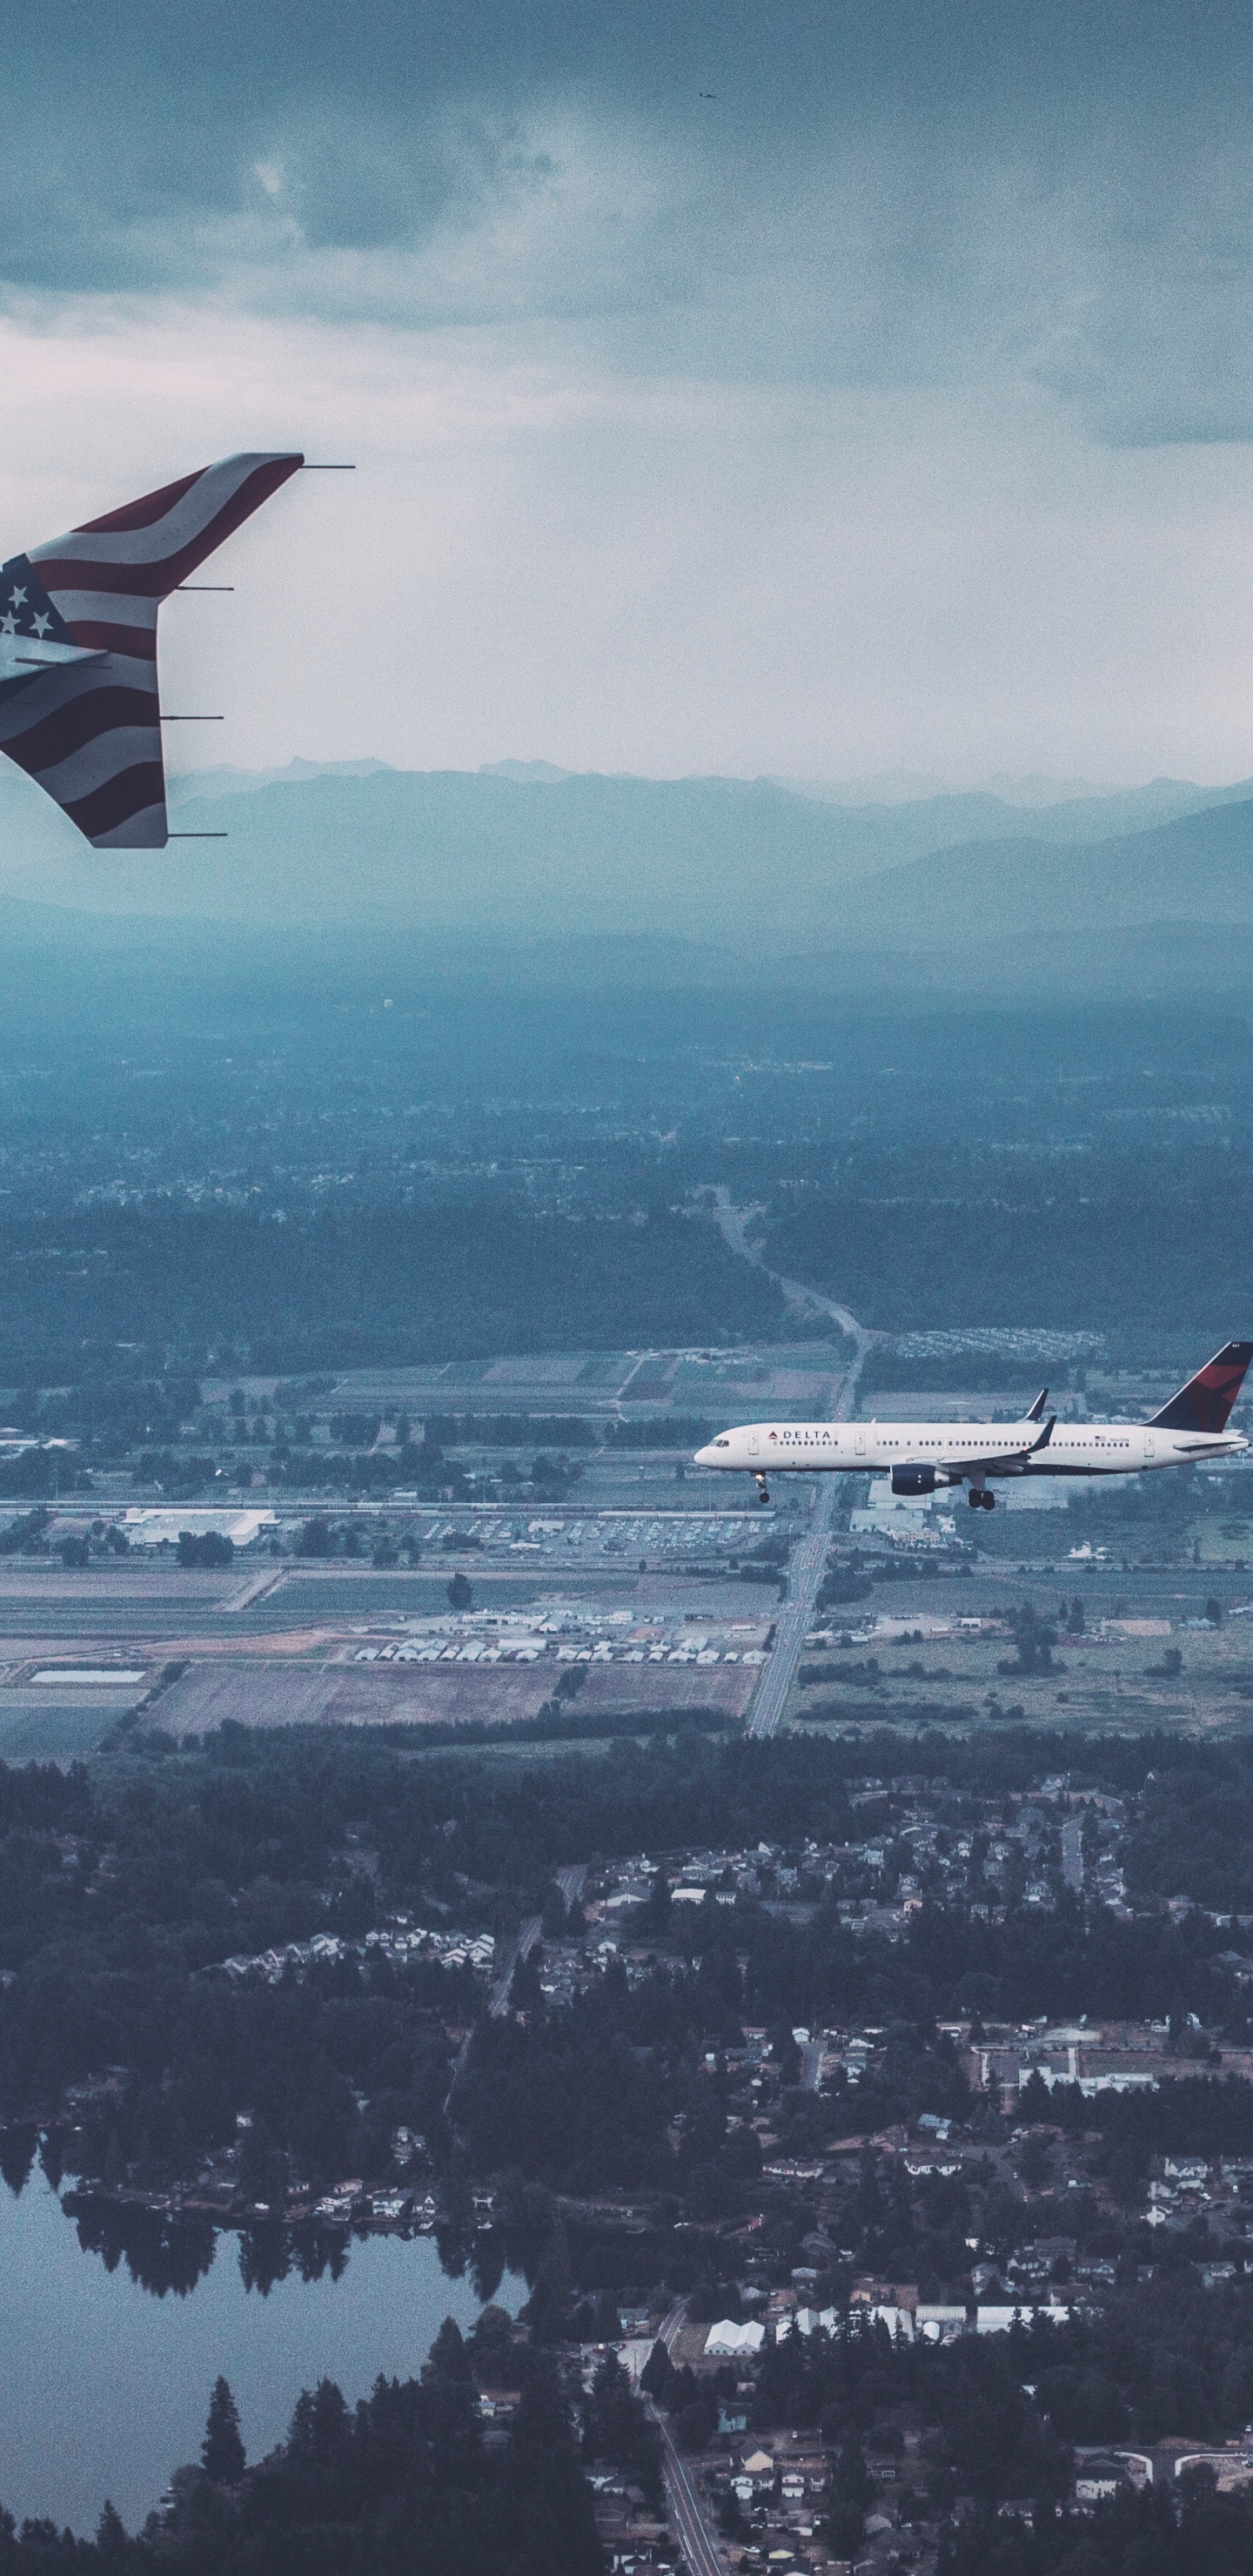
{"x": 1072, "y": 1854}
{"x": 796, "y": 1617}
{"x": 733, "y": 1223}
{"x": 570, "y": 1881}
{"x": 459, "y": 2068}
{"x": 687, "y": 2510}
{"x": 519, "y": 1949}
{"x": 809, "y": 1557}
{"x": 672, "y": 2324}
{"x": 810, "y": 1554}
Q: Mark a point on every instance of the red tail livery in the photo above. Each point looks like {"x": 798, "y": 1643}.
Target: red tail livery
{"x": 1205, "y": 1403}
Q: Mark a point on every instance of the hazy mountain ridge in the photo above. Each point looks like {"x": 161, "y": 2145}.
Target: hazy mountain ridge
{"x": 722, "y": 862}
{"x": 698, "y": 882}
{"x": 1196, "y": 870}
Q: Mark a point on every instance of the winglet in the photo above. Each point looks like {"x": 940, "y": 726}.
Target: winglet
{"x": 1045, "y": 1436}
{"x": 89, "y": 734}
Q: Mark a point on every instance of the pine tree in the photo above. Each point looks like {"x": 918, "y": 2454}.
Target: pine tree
{"x": 112, "y": 2545}
{"x": 553, "y": 1918}
{"x": 222, "y": 2450}
{"x": 656, "y": 1915}
{"x": 448, "y": 2359}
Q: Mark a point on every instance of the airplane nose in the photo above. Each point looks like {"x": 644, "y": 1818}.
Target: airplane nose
{"x": 705, "y": 1457}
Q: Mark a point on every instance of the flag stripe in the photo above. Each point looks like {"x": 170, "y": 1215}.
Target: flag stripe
{"x": 81, "y": 720}
{"x": 145, "y": 829}
{"x": 124, "y": 747}
{"x": 28, "y": 701}
{"x": 139, "y": 514}
{"x": 118, "y": 799}
{"x": 207, "y": 493}
{"x": 139, "y": 642}
{"x": 123, "y": 609}
{"x": 217, "y": 503}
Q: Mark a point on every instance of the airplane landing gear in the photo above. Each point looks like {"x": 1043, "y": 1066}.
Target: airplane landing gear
{"x": 980, "y": 1499}
{"x": 763, "y": 1490}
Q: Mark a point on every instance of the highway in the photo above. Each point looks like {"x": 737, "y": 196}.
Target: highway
{"x": 733, "y": 1225}
{"x": 796, "y": 1618}
{"x": 687, "y": 2512}
{"x": 1072, "y": 1854}
{"x": 672, "y": 2323}
{"x": 810, "y": 1554}
{"x": 519, "y": 1949}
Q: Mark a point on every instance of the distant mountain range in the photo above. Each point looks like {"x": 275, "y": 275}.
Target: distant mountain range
{"x": 694, "y": 879}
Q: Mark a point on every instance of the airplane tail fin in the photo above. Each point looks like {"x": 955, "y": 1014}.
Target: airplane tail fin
{"x": 1036, "y": 1411}
{"x": 79, "y": 705}
{"x": 1205, "y": 1403}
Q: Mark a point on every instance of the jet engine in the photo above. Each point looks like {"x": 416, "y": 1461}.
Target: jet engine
{"x": 914, "y": 1476}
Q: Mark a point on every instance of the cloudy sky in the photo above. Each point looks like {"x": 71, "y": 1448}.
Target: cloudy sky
{"x": 775, "y": 385}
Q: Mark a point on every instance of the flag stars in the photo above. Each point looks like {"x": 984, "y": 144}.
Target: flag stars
{"x": 41, "y": 623}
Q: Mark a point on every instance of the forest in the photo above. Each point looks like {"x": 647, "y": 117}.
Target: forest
{"x": 339, "y": 1287}
{"x": 293, "y": 1177}
{"x": 404, "y": 2483}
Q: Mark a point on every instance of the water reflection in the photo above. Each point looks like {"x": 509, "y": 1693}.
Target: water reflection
{"x": 171, "y": 2250}
{"x": 99, "y": 2330}
{"x": 162, "y": 2250}
{"x": 17, "y": 2155}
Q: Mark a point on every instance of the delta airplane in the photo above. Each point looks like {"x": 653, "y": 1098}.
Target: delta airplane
{"x": 923, "y": 1456}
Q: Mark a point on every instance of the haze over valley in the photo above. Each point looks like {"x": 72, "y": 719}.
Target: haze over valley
{"x": 685, "y": 879}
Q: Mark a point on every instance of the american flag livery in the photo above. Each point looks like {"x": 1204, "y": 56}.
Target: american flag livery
{"x": 79, "y": 704}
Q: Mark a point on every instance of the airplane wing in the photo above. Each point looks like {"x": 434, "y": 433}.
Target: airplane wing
{"x": 79, "y": 705}
{"x": 1002, "y": 1462}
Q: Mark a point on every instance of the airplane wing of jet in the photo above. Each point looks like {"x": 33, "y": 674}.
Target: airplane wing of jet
{"x": 1000, "y": 1462}
{"x": 79, "y": 705}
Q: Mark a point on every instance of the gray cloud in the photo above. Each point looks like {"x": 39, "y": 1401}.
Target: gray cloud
{"x": 931, "y": 195}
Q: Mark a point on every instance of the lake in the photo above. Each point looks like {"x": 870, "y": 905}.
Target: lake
{"x": 104, "y": 2386}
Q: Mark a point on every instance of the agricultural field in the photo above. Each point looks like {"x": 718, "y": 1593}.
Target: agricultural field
{"x": 270, "y": 1695}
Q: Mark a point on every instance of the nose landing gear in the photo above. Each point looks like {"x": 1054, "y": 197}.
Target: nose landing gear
{"x": 980, "y": 1499}
{"x": 763, "y": 1490}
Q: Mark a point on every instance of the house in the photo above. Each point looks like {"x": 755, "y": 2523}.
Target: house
{"x": 727, "y": 2338}
{"x": 758, "y": 2468}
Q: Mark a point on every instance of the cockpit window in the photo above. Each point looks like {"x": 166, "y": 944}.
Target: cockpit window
{"x": 722, "y": 1444}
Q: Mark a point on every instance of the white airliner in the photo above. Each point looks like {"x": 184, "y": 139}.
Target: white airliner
{"x": 922, "y": 1456}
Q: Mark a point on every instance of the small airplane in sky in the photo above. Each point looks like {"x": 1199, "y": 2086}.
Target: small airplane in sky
{"x": 921, "y": 1457}
{"x": 80, "y": 710}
